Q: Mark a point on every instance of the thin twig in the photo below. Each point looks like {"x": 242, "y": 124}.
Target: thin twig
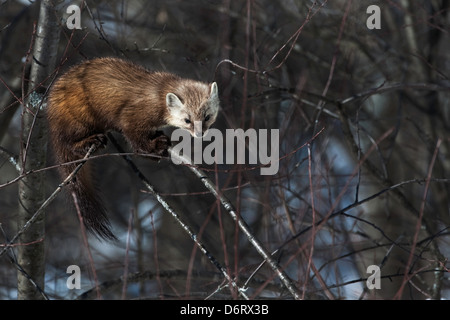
{"x": 86, "y": 245}
{"x": 127, "y": 260}
{"x": 293, "y": 38}
{"x": 408, "y": 272}
{"x": 394, "y": 87}
{"x": 13, "y": 260}
{"x": 321, "y": 103}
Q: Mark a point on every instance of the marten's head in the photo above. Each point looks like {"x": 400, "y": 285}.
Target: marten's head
{"x": 193, "y": 106}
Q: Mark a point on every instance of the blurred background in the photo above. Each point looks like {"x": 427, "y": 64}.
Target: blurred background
{"x": 363, "y": 116}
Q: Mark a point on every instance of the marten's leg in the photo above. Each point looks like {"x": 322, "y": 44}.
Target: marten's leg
{"x": 82, "y": 185}
{"x": 161, "y": 143}
{"x": 82, "y": 146}
{"x": 154, "y": 142}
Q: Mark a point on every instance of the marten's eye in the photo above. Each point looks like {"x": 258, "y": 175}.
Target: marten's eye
{"x": 207, "y": 118}
{"x": 187, "y": 120}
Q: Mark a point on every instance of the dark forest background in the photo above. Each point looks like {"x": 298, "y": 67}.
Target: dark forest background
{"x": 363, "y": 114}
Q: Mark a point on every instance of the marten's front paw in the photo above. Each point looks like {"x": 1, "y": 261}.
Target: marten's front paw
{"x": 161, "y": 144}
{"x": 156, "y": 134}
{"x": 98, "y": 140}
{"x": 156, "y": 145}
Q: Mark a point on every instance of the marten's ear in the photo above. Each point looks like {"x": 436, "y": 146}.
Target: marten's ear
{"x": 173, "y": 102}
{"x": 214, "y": 91}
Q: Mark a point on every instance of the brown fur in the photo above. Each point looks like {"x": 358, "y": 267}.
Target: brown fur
{"x": 113, "y": 94}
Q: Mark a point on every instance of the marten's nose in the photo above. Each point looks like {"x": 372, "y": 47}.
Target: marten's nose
{"x": 198, "y": 129}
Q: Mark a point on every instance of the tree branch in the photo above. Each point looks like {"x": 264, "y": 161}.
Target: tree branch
{"x": 177, "y": 218}
{"x": 242, "y": 225}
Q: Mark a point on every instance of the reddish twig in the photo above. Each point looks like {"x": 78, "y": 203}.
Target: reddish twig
{"x": 408, "y": 275}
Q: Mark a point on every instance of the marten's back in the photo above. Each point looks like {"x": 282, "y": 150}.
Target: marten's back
{"x": 97, "y": 93}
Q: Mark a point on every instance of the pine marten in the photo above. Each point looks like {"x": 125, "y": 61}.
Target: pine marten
{"x": 111, "y": 94}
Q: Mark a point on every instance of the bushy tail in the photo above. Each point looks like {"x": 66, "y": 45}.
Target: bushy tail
{"x": 88, "y": 200}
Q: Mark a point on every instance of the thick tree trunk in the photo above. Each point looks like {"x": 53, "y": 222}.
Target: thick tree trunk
{"x": 31, "y": 254}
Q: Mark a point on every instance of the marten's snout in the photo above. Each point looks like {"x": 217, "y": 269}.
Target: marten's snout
{"x": 199, "y": 130}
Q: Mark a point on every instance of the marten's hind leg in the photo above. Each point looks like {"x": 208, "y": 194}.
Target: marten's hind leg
{"x": 98, "y": 140}
{"x": 82, "y": 185}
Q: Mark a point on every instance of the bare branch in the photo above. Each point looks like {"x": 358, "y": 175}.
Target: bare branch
{"x": 242, "y": 225}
